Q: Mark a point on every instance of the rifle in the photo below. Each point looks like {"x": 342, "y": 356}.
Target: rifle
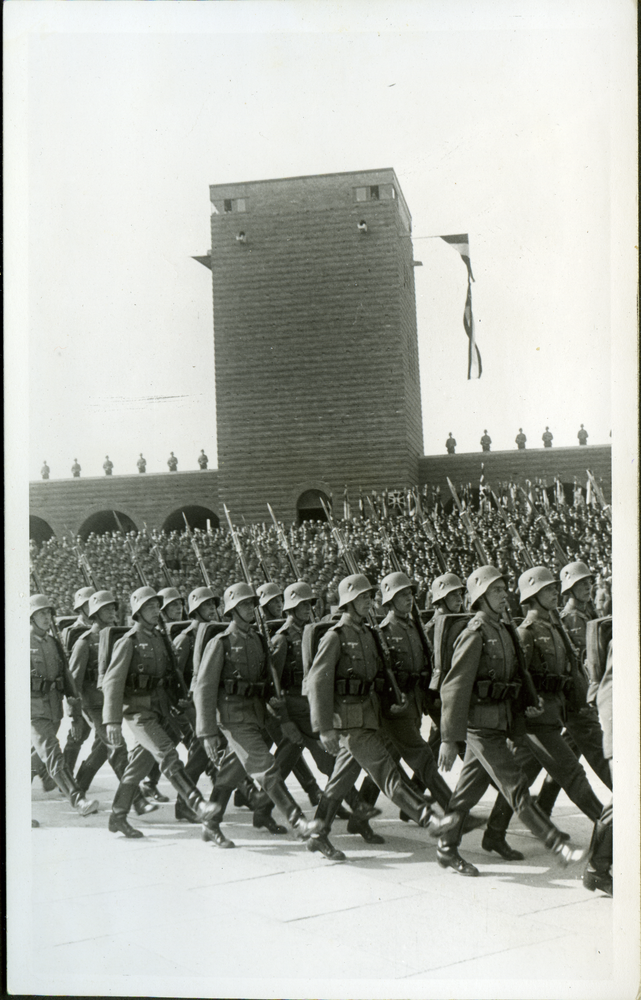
{"x": 431, "y": 534}
{"x": 396, "y": 565}
{"x": 353, "y": 567}
{"x": 258, "y": 612}
{"x": 282, "y": 538}
{"x": 199, "y": 558}
{"x": 164, "y": 569}
{"x": 162, "y": 628}
{"x": 83, "y": 563}
{"x": 511, "y": 527}
{"x": 482, "y": 555}
{"x": 259, "y": 557}
{"x": 545, "y": 524}
{"x": 607, "y": 509}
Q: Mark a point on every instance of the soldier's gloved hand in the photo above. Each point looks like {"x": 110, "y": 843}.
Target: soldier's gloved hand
{"x": 447, "y": 755}
{"x": 214, "y": 746}
{"x": 275, "y": 706}
{"x": 184, "y": 703}
{"x": 76, "y": 729}
{"x": 532, "y": 711}
{"x": 114, "y": 735}
{"x": 329, "y": 739}
{"x": 291, "y": 732}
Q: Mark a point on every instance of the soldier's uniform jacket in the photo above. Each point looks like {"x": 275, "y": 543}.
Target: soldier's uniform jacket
{"x": 84, "y": 667}
{"x": 408, "y": 663}
{"x": 137, "y": 675}
{"x": 576, "y": 621}
{"x": 547, "y": 661}
{"x": 342, "y": 679}
{"x": 472, "y": 692}
{"x": 231, "y": 687}
{"x": 184, "y": 646}
{"x": 50, "y": 678}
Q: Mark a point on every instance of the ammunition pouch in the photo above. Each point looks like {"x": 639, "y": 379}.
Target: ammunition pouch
{"x": 142, "y": 684}
{"x": 493, "y": 690}
{"x": 244, "y": 689}
{"x": 408, "y": 681}
{"x": 40, "y": 685}
{"x": 357, "y": 687}
{"x": 552, "y": 683}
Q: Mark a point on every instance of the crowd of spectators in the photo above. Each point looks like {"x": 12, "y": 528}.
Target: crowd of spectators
{"x": 582, "y": 528}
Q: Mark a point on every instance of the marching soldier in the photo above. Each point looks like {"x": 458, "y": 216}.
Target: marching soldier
{"x": 84, "y": 670}
{"x": 598, "y": 874}
{"x": 270, "y": 597}
{"x": 547, "y": 437}
{"x": 203, "y": 461}
{"x": 450, "y": 444}
{"x": 346, "y": 712}
{"x": 108, "y": 466}
{"x": 520, "y": 440}
{"x": 413, "y": 676}
{"x": 137, "y": 686}
{"x": 50, "y": 680}
{"x": 478, "y": 695}
{"x": 172, "y": 604}
{"x": 81, "y": 733}
{"x": 141, "y": 464}
{"x": 230, "y": 695}
{"x": 486, "y": 441}
{"x": 583, "y": 731}
{"x": 547, "y": 660}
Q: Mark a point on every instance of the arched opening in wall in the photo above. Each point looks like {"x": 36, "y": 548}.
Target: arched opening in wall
{"x": 197, "y": 517}
{"x": 309, "y": 507}
{"x": 39, "y": 530}
{"x": 104, "y": 522}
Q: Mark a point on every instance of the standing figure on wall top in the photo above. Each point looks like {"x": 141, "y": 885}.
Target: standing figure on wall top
{"x": 520, "y": 440}
{"x": 172, "y": 462}
{"x": 486, "y": 441}
{"x": 108, "y": 465}
{"x": 582, "y": 435}
{"x": 141, "y": 463}
{"x": 75, "y": 469}
{"x": 450, "y": 444}
{"x": 546, "y": 437}
{"x": 45, "y": 470}
{"x": 202, "y": 459}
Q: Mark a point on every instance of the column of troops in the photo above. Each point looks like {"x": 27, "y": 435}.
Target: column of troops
{"x": 351, "y": 689}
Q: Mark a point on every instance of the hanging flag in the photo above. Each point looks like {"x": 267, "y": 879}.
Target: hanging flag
{"x": 461, "y": 243}
{"x": 346, "y": 510}
{"x": 361, "y": 502}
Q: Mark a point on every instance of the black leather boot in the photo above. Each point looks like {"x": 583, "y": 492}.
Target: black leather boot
{"x": 426, "y": 815}
{"x": 359, "y": 806}
{"x": 143, "y": 805}
{"x": 325, "y": 813}
{"x": 287, "y": 805}
{"x": 449, "y": 857}
{"x": 150, "y": 785}
{"x": 211, "y": 828}
{"x": 495, "y": 841}
{"x": 598, "y": 874}
{"x": 361, "y": 826}
{"x": 182, "y": 811}
{"x": 263, "y": 820}
{"x": 190, "y": 793}
{"x": 246, "y": 794}
{"x": 69, "y": 787}
{"x": 545, "y": 830}
{"x": 121, "y": 805}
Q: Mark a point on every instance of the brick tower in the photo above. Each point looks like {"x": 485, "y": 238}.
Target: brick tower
{"x": 317, "y": 378}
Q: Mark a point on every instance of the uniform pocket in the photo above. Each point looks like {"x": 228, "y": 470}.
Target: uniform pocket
{"x": 230, "y": 712}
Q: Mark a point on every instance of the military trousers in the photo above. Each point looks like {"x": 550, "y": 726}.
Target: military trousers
{"x": 298, "y": 712}
{"x": 366, "y": 749}
{"x": 247, "y": 741}
{"x": 487, "y": 750}
{"x": 74, "y": 744}
{"x": 152, "y": 744}
{"x": 44, "y": 740}
{"x": 584, "y": 736}
{"x": 404, "y": 734}
{"x": 102, "y": 750}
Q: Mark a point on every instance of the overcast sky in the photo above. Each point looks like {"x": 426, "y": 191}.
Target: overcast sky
{"x": 499, "y": 129}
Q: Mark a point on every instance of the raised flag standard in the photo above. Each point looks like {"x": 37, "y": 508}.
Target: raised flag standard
{"x": 461, "y": 243}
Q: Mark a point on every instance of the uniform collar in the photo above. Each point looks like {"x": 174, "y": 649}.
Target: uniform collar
{"x": 348, "y": 619}
{"x": 292, "y": 625}
{"x": 489, "y": 617}
{"x": 393, "y": 616}
{"x": 147, "y": 629}
{"x": 241, "y": 627}
{"x": 538, "y": 615}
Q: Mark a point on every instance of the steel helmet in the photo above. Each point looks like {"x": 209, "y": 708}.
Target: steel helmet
{"x": 533, "y": 580}
{"x": 572, "y": 573}
{"x": 38, "y": 602}
{"x": 296, "y": 593}
{"x": 444, "y": 585}
{"x": 393, "y": 583}
{"x": 82, "y": 596}
{"x": 351, "y": 587}
{"x": 100, "y": 600}
{"x": 267, "y": 592}
{"x": 141, "y": 597}
{"x": 238, "y": 592}
{"x": 168, "y": 596}
{"x": 198, "y": 597}
{"x": 480, "y": 580}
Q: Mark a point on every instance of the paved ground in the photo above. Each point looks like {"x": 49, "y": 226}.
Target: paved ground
{"x": 170, "y": 915}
